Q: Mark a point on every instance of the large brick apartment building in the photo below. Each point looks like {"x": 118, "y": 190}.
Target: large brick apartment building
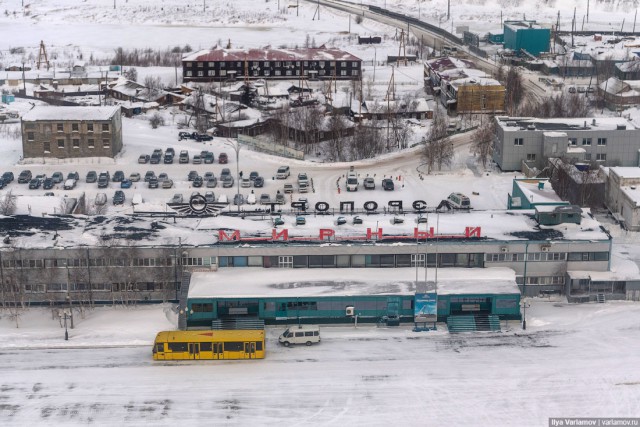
{"x": 228, "y": 64}
{"x": 66, "y": 132}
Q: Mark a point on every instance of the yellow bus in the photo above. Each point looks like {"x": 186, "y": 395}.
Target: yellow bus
{"x": 209, "y": 344}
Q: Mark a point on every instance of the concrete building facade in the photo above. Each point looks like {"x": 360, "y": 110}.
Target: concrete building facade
{"x": 623, "y": 195}
{"x": 609, "y": 141}
{"x": 68, "y": 132}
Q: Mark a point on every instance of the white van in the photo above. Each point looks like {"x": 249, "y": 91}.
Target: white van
{"x": 302, "y": 334}
{"x": 137, "y": 199}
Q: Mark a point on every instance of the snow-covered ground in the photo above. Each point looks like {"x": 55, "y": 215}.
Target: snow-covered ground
{"x": 572, "y": 361}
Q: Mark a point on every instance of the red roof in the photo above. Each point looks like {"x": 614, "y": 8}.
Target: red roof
{"x": 311, "y": 54}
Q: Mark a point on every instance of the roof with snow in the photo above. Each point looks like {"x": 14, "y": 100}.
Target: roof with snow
{"x": 565, "y": 124}
{"x": 447, "y": 63}
{"x": 70, "y": 113}
{"x": 255, "y": 282}
{"x": 305, "y": 54}
{"x": 626, "y": 172}
{"x": 475, "y": 81}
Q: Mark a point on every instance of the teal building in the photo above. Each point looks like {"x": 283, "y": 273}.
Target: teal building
{"x": 527, "y": 36}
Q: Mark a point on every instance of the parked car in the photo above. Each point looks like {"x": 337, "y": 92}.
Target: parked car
{"x": 300, "y": 220}
{"x": 209, "y": 158}
{"x": 41, "y": 177}
{"x": 118, "y": 197}
{"x": 258, "y": 182}
{"x": 208, "y": 175}
{"x": 103, "y": 180}
{"x": 168, "y": 159}
{"x": 125, "y": 183}
{"x": 212, "y": 182}
{"x": 253, "y": 175}
{"x": 24, "y": 177}
{"x": 223, "y": 158}
{"x": 197, "y": 182}
{"x": 101, "y": 199}
{"x": 341, "y": 220}
{"x": 153, "y": 182}
{"x": 169, "y": 151}
{"x": 177, "y": 198}
{"x": 163, "y": 176}
{"x": 134, "y": 177}
{"x": 184, "y": 135}
{"x": 200, "y": 137}
{"x": 167, "y": 183}
{"x": 184, "y": 157}
{"x": 238, "y": 199}
{"x": 225, "y": 172}
{"x": 92, "y": 177}
{"x": 387, "y": 184}
{"x": 197, "y": 159}
{"x": 357, "y": 220}
{"x": 144, "y": 158}
{"x": 73, "y": 175}
{"x": 209, "y": 197}
{"x": 280, "y": 198}
{"x": 192, "y": 175}
{"x": 155, "y": 159}
{"x": 369, "y": 183}
{"x": 245, "y": 183}
{"x": 303, "y": 178}
{"x": 149, "y": 175}
{"x": 288, "y": 188}
{"x": 57, "y": 177}
{"x": 265, "y": 199}
{"x": 70, "y": 184}
{"x": 251, "y": 199}
{"x": 7, "y": 177}
{"x": 278, "y": 221}
{"x": 283, "y": 172}
{"x": 118, "y": 176}
{"x": 48, "y": 184}
{"x": 227, "y": 181}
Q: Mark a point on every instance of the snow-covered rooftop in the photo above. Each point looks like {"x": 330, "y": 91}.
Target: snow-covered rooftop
{"x": 626, "y": 172}
{"x": 305, "y": 54}
{"x": 546, "y": 194}
{"x": 562, "y": 124}
{"x": 278, "y": 283}
{"x": 70, "y": 113}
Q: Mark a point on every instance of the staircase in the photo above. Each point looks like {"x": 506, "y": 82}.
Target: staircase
{"x": 474, "y": 323}
{"x": 600, "y": 298}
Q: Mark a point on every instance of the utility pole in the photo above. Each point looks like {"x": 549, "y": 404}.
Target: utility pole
{"x": 587, "y": 11}
{"x": 448, "y": 8}
{"x": 634, "y": 21}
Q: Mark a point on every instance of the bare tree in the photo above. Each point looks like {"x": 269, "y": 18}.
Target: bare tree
{"x": 336, "y": 128}
{"x": 131, "y": 74}
{"x": 514, "y": 87}
{"x": 483, "y": 137}
{"x": 438, "y": 148}
{"x": 8, "y": 203}
{"x": 365, "y": 142}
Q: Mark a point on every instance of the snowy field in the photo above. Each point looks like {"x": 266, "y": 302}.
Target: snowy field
{"x": 573, "y": 360}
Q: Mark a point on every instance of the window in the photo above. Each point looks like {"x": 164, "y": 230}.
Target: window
{"x": 223, "y": 65}
{"x": 76, "y": 143}
{"x": 278, "y": 64}
{"x": 106, "y": 143}
{"x": 266, "y": 63}
{"x": 46, "y": 146}
{"x": 189, "y": 73}
{"x": 61, "y": 143}
{"x": 343, "y": 72}
{"x": 354, "y": 72}
{"x": 601, "y": 157}
{"x": 31, "y": 136}
{"x": 105, "y": 127}
{"x": 211, "y": 73}
{"x": 278, "y": 73}
{"x": 200, "y": 64}
{"x": 233, "y": 346}
{"x": 189, "y": 64}
{"x": 343, "y": 64}
{"x": 200, "y": 73}
{"x": 75, "y": 127}
{"x": 573, "y": 141}
{"x": 60, "y": 127}
{"x": 586, "y": 141}
{"x": 587, "y": 156}
{"x": 89, "y": 127}
{"x": 202, "y": 308}
{"x": 210, "y": 64}
{"x": 354, "y": 64}
{"x": 531, "y": 157}
{"x": 602, "y": 141}
{"x": 518, "y": 141}
{"x": 91, "y": 143}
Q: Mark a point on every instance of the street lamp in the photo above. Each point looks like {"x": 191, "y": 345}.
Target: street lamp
{"x": 236, "y": 147}
{"x": 524, "y": 287}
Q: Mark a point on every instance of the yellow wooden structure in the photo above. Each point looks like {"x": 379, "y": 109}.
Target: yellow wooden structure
{"x": 209, "y": 344}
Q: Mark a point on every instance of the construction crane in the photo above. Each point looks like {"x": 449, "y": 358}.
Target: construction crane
{"x": 43, "y": 54}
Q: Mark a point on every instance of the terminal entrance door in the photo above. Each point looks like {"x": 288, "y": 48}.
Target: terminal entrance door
{"x": 285, "y": 261}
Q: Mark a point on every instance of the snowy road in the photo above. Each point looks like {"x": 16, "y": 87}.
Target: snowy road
{"x": 574, "y": 360}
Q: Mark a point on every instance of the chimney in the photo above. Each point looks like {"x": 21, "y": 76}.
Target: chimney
{"x": 593, "y": 122}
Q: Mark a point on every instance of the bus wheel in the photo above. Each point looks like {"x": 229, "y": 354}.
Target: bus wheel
{"x": 308, "y": 343}
{"x": 286, "y": 343}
